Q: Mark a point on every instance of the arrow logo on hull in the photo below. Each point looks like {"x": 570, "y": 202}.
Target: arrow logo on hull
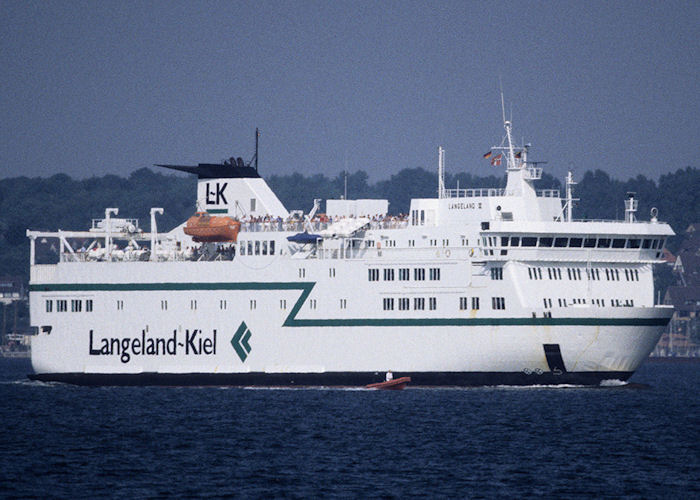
{"x": 240, "y": 341}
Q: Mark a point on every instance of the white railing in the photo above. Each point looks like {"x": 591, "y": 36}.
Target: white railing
{"x": 488, "y": 192}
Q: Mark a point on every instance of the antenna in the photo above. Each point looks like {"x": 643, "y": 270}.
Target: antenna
{"x": 257, "y": 136}
{"x": 441, "y": 172}
{"x": 503, "y": 106}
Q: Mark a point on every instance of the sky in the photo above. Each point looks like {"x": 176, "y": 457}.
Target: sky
{"x": 105, "y": 87}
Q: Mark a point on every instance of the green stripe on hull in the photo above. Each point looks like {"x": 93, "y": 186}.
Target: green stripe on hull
{"x": 306, "y": 288}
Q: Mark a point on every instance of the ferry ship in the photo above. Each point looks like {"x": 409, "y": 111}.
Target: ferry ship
{"x": 472, "y": 287}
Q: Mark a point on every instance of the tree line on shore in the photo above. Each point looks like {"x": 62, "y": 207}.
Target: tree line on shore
{"x": 61, "y": 202}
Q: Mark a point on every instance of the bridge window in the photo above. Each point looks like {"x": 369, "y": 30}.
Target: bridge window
{"x": 633, "y": 243}
{"x": 575, "y": 242}
{"x": 561, "y": 242}
{"x": 546, "y": 242}
{"x": 529, "y": 241}
{"x": 604, "y": 243}
{"x": 515, "y": 241}
{"x": 589, "y": 243}
{"x": 618, "y": 243}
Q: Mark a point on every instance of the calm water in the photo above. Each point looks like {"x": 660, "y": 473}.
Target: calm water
{"x": 641, "y": 440}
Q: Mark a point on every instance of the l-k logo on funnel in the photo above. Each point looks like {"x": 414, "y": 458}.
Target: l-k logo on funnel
{"x": 240, "y": 341}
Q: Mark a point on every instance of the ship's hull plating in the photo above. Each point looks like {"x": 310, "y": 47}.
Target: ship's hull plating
{"x": 537, "y": 351}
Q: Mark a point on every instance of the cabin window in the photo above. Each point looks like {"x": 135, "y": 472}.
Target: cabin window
{"x": 272, "y": 247}
{"x": 257, "y": 247}
{"x": 241, "y": 248}
{"x": 49, "y": 306}
{"x": 475, "y": 303}
{"x": 463, "y": 303}
{"x": 496, "y": 273}
{"x": 498, "y": 303}
{"x": 515, "y": 241}
{"x": 604, "y": 243}
{"x": 193, "y": 305}
{"x": 529, "y": 241}
{"x": 575, "y": 242}
{"x": 373, "y": 275}
{"x": 264, "y": 247}
{"x": 404, "y": 274}
{"x": 88, "y": 305}
{"x": 561, "y": 242}
{"x": 419, "y": 274}
{"x": 404, "y": 304}
{"x": 434, "y": 273}
{"x": 250, "y": 248}
{"x": 422, "y": 217}
{"x": 344, "y": 303}
{"x": 164, "y": 305}
{"x": 302, "y": 272}
{"x": 283, "y": 304}
{"x": 76, "y": 305}
{"x": 633, "y": 243}
{"x": 120, "y": 305}
{"x": 618, "y": 243}
{"x": 222, "y": 304}
{"x": 331, "y": 272}
{"x": 419, "y": 303}
{"x": 432, "y": 303}
{"x": 546, "y": 242}
{"x": 388, "y": 275}
{"x": 388, "y": 304}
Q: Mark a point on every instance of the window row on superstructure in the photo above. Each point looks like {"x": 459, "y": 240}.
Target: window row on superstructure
{"x": 419, "y": 303}
{"x": 76, "y": 305}
{"x": 581, "y": 301}
{"x": 257, "y": 247}
{"x": 575, "y": 274}
{"x": 404, "y": 274}
{"x": 576, "y": 242}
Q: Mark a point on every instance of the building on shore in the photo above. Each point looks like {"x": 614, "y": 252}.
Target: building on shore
{"x": 682, "y": 336}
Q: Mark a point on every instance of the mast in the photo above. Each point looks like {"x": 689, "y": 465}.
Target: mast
{"x": 257, "y": 136}
{"x": 569, "y": 198}
{"x": 441, "y": 172}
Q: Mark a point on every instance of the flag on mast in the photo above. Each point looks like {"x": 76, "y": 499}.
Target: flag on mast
{"x": 496, "y": 161}
{"x": 488, "y": 155}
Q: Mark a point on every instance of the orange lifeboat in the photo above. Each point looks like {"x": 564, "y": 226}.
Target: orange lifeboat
{"x": 205, "y": 228}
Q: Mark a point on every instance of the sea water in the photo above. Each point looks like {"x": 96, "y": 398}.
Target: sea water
{"x": 637, "y": 440}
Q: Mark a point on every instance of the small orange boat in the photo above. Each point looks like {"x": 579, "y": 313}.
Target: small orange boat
{"x": 207, "y": 228}
{"x": 391, "y": 385}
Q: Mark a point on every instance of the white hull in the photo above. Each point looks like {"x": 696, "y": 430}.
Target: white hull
{"x": 481, "y": 286}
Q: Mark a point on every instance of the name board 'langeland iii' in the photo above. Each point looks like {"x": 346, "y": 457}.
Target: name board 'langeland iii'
{"x": 474, "y": 287}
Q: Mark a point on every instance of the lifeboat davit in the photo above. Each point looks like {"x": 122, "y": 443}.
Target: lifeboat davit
{"x": 207, "y": 228}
